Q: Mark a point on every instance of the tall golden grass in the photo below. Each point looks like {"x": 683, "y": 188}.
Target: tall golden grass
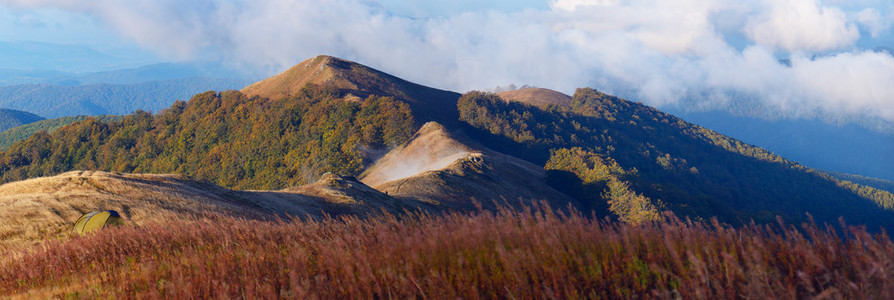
{"x": 532, "y": 253}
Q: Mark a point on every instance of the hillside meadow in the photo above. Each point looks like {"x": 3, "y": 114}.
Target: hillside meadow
{"x": 531, "y": 253}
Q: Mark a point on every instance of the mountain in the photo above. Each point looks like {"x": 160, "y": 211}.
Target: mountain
{"x": 56, "y": 101}
{"x": 418, "y": 147}
{"x": 357, "y": 81}
{"x": 644, "y": 161}
{"x": 10, "y": 118}
{"x": 443, "y": 168}
{"x": 539, "y": 97}
{"x": 232, "y": 172}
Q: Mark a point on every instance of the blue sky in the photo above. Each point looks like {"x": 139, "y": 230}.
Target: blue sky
{"x": 701, "y": 52}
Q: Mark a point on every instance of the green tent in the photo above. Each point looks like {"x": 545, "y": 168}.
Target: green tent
{"x": 97, "y": 220}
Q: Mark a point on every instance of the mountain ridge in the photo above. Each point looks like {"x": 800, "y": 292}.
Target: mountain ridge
{"x": 55, "y": 101}
{"x": 599, "y": 153}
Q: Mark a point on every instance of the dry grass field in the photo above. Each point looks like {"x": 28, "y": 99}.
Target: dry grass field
{"x": 532, "y": 253}
{"x": 47, "y": 207}
{"x": 42, "y": 207}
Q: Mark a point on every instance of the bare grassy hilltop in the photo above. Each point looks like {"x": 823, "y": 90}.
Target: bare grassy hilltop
{"x": 539, "y": 97}
{"x": 354, "y": 82}
{"x": 440, "y": 167}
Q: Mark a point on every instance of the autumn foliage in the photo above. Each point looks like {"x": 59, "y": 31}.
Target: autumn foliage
{"x": 226, "y": 138}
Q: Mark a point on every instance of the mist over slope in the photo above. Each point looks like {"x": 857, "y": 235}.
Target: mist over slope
{"x": 430, "y": 149}
{"x": 444, "y": 168}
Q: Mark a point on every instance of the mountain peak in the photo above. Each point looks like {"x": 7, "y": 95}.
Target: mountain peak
{"x": 351, "y": 78}
{"x": 539, "y": 97}
{"x": 320, "y": 70}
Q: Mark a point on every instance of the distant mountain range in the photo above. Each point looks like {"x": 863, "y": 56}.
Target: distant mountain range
{"x": 56, "y": 80}
{"x": 27, "y": 55}
{"x": 53, "y": 101}
{"x": 153, "y": 72}
{"x": 335, "y": 136}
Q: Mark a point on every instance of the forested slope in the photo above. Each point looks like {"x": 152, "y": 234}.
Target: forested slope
{"x": 225, "y": 138}
{"x": 22, "y": 132}
{"x": 640, "y": 159}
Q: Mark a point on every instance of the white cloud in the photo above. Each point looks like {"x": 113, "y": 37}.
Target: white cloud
{"x": 848, "y": 83}
{"x": 802, "y": 25}
{"x": 571, "y": 5}
{"x": 655, "y": 51}
{"x": 873, "y": 21}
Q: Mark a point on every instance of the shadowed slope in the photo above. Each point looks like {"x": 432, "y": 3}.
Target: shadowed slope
{"x": 692, "y": 170}
{"x": 356, "y": 80}
{"x": 352, "y": 195}
{"x": 10, "y": 118}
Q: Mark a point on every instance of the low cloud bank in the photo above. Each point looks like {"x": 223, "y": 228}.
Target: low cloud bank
{"x": 695, "y": 53}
